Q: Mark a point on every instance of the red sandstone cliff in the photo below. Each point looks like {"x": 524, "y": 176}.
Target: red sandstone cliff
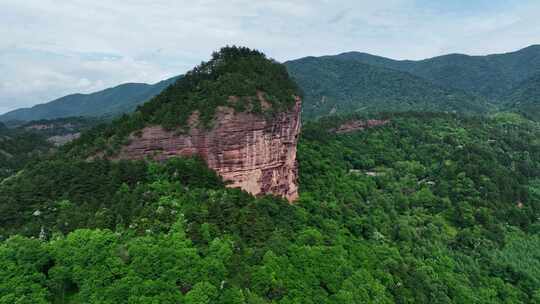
{"x": 251, "y": 152}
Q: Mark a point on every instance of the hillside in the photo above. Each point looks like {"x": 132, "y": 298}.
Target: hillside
{"x": 109, "y": 102}
{"x": 424, "y": 209}
{"x": 18, "y": 147}
{"x": 491, "y": 76}
{"x": 332, "y": 85}
{"x": 61, "y": 126}
{"x": 60, "y": 131}
{"x": 525, "y": 98}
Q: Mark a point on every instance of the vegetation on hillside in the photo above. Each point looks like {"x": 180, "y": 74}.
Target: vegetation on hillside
{"x": 525, "y": 98}
{"x": 491, "y": 76}
{"x": 426, "y": 209}
{"x": 17, "y": 148}
{"x": 332, "y": 85}
{"x": 61, "y": 126}
{"x": 232, "y": 72}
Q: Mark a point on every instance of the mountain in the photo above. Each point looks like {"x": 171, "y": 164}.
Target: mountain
{"x": 525, "y": 98}
{"x": 240, "y": 112}
{"x": 335, "y": 85}
{"x": 109, "y": 102}
{"x": 490, "y": 76}
{"x": 349, "y": 82}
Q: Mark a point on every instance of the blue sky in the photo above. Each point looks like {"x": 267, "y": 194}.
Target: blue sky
{"x": 50, "y": 48}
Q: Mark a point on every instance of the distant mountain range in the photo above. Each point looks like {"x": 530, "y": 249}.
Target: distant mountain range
{"x": 333, "y": 85}
{"x": 491, "y": 76}
{"x": 109, "y": 102}
{"x": 359, "y": 82}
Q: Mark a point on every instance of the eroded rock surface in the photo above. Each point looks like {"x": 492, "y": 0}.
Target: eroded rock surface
{"x": 251, "y": 152}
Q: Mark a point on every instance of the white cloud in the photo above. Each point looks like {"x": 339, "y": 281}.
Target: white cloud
{"x": 50, "y": 48}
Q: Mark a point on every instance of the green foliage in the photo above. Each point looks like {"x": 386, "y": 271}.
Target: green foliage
{"x": 61, "y": 126}
{"x": 22, "y": 266}
{"x": 233, "y": 71}
{"x": 333, "y": 85}
{"x": 61, "y": 196}
{"x": 447, "y": 214}
{"x": 525, "y": 98}
{"x": 18, "y": 147}
{"x": 519, "y": 260}
{"x": 491, "y": 76}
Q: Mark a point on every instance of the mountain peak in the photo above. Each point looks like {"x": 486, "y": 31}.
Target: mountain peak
{"x": 237, "y": 72}
{"x": 239, "y": 111}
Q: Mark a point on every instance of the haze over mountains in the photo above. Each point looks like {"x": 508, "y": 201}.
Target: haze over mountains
{"x": 109, "y": 102}
{"x": 354, "y": 81}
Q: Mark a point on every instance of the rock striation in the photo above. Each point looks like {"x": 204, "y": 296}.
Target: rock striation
{"x": 250, "y": 151}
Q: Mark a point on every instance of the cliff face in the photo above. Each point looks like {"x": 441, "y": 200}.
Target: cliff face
{"x": 251, "y": 152}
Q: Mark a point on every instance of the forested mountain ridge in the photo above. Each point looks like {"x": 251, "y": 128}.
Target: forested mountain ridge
{"x": 490, "y": 76}
{"x": 109, "y": 102}
{"x": 471, "y": 80}
{"x": 525, "y": 98}
{"x": 333, "y": 85}
{"x": 427, "y": 208}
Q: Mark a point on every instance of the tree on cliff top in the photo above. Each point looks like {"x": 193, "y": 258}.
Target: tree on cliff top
{"x": 232, "y": 71}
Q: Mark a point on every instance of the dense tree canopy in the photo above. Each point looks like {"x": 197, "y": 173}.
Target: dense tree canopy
{"x": 425, "y": 209}
{"x": 17, "y": 147}
{"x": 344, "y": 86}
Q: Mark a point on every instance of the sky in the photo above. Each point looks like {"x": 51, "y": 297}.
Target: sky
{"x": 51, "y": 48}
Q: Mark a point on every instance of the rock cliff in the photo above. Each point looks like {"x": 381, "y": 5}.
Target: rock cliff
{"x": 250, "y": 151}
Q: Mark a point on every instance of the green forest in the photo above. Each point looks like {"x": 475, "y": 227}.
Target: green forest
{"x": 429, "y": 208}
{"x": 333, "y": 85}
{"x": 18, "y": 147}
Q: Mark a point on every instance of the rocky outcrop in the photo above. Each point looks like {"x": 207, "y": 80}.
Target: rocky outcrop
{"x": 250, "y": 151}
{"x": 356, "y": 125}
{"x": 60, "y": 140}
